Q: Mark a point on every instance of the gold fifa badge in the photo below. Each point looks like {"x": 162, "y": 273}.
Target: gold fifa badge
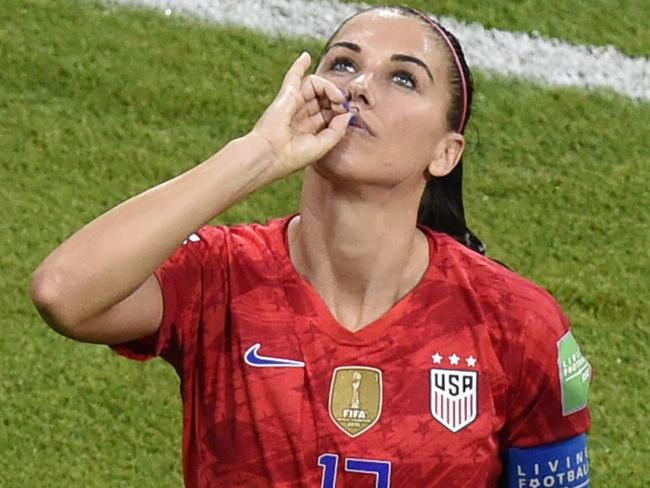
{"x": 356, "y": 396}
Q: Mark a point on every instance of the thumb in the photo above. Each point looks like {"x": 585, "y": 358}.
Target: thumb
{"x": 329, "y": 137}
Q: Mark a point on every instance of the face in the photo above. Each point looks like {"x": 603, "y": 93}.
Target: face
{"x": 394, "y": 69}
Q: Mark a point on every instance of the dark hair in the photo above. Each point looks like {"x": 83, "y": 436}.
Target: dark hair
{"x": 441, "y": 207}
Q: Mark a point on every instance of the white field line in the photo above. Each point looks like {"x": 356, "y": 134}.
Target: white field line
{"x": 547, "y": 61}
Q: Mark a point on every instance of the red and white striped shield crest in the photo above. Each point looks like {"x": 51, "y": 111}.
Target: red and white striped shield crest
{"x": 454, "y": 397}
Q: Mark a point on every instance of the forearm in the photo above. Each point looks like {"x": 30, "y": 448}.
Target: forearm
{"x": 105, "y": 261}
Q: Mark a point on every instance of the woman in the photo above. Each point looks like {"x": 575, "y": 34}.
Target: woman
{"x": 344, "y": 345}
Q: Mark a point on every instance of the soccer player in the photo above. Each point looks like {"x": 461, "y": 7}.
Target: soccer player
{"x": 365, "y": 340}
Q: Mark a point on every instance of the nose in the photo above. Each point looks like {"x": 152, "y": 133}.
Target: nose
{"x": 360, "y": 91}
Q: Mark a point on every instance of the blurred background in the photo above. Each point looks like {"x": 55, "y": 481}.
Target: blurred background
{"x": 100, "y": 101}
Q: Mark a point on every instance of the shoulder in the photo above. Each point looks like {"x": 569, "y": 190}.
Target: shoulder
{"x": 507, "y": 301}
{"x": 256, "y": 249}
{"x": 242, "y": 238}
{"x": 540, "y": 377}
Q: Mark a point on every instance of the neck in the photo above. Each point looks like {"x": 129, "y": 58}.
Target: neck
{"x": 359, "y": 248}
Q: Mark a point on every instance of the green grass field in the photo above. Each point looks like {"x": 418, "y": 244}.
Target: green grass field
{"x": 98, "y": 104}
{"x": 622, "y": 23}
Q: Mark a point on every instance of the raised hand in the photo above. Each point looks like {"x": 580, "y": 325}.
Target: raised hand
{"x": 307, "y": 119}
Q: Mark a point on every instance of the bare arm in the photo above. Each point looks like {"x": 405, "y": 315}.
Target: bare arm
{"x": 110, "y": 258}
{"x": 98, "y": 285}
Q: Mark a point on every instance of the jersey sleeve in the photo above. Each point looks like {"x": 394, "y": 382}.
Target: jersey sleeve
{"x": 550, "y": 385}
{"x": 192, "y": 280}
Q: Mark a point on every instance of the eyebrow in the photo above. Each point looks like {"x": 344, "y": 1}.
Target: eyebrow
{"x": 395, "y": 57}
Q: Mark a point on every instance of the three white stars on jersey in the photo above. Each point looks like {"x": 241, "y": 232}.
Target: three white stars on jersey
{"x": 454, "y": 359}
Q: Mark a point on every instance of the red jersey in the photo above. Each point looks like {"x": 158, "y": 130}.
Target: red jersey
{"x": 277, "y": 393}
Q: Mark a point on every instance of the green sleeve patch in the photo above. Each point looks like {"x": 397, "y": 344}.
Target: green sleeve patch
{"x": 575, "y": 375}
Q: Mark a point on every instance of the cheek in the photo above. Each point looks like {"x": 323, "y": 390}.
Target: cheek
{"x": 424, "y": 120}
{"x": 413, "y": 136}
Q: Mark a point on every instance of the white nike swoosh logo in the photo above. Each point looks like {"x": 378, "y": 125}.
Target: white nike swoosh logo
{"x": 252, "y": 358}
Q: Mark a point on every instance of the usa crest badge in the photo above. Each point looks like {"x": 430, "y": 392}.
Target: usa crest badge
{"x": 454, "y": 397}
{"x": 355, "y": 400}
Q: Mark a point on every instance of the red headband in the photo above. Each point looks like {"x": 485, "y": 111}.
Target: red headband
{"x": 463, "y": 81}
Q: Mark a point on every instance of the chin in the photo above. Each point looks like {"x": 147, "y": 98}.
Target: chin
{"x": 344, "y": 162}
{"x": 345, "y": 170}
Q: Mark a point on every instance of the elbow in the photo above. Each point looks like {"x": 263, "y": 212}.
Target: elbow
{"x": 43, "y": 290}
{"x": 46, "y": 287}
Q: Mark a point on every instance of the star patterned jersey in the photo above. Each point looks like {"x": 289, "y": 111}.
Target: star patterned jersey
{"x": 277, "y": 393}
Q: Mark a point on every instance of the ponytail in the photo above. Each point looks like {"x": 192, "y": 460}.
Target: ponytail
{"x": 441, "y": 209}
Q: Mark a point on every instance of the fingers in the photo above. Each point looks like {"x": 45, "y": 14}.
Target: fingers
{"x": 312, "y": 124}
{"x": 327, "y": 93}
{"x": 312, "y": 93}
{"x": 314, "y": 109}
{"x": 308, "y": 118}
{"x": 316, "y": 105}
{"x": 329, "y": 137}
{"x": 314, "y": 86}
{"x": 318, "y": 109}
{"x": 322, "y": 100}
{"x": 313, "y": 146}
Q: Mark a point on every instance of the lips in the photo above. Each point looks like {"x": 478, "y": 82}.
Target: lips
{"x": 357, "y": 121}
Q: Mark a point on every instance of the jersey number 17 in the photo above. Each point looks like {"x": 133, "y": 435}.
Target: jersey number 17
{"x": 330, "y": 464}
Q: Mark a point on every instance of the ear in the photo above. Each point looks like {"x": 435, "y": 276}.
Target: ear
{"x": 447, "y": 154}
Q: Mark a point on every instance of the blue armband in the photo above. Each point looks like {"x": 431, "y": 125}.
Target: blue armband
{"x": 562, "y": 464}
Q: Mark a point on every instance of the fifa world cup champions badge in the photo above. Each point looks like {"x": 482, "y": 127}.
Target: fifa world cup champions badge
{"x": 355, "y": 400}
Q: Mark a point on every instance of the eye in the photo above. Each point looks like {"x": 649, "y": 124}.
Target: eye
{"x": 343, "y": 64}
{"x": 405, "y": 79}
